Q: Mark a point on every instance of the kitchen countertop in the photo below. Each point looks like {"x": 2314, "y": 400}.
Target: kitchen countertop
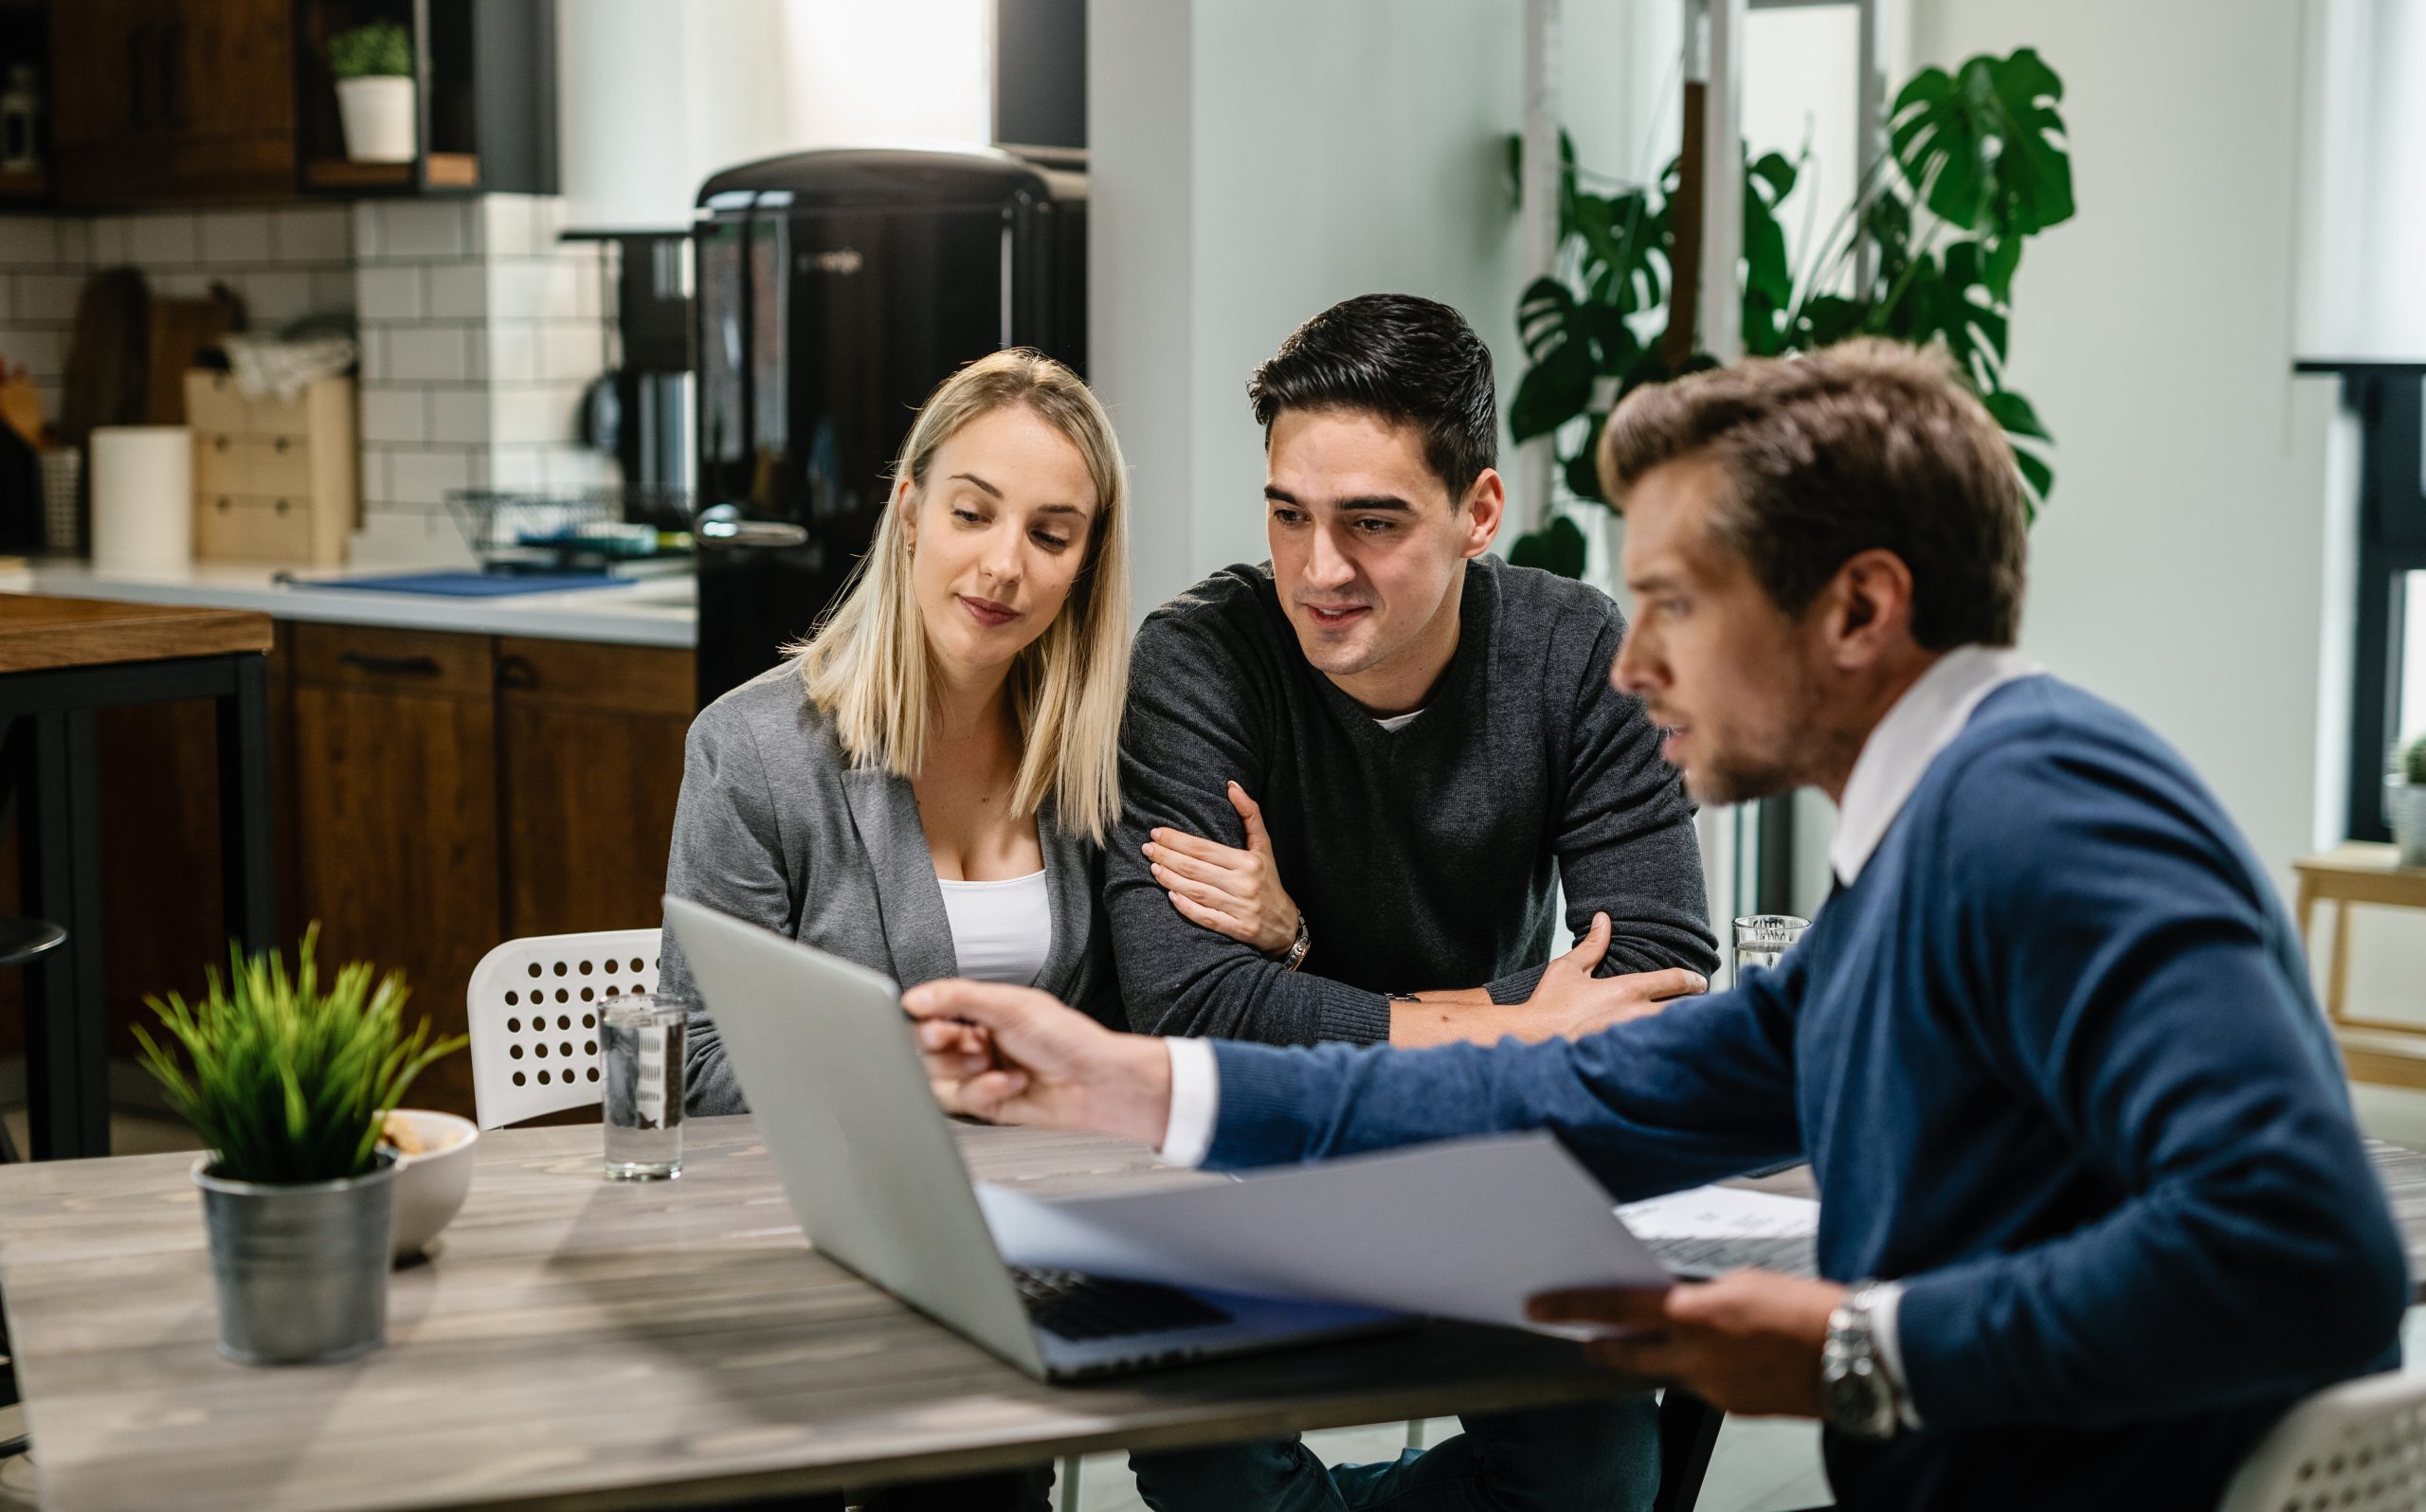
{"x": 650, "y": 611}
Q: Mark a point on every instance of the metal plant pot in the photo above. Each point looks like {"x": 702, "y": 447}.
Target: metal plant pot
{"x": 302, "y": 1271}
{"x": 2405, "y": 805}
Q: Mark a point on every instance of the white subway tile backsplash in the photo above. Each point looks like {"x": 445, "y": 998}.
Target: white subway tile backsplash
{"x": 571, "y": 353}
{"x": 332, "y": 289}
{"x": 427, "y": 353}
{"x": 505, "y": 226}
{"x": 563, "y": 296}
{"x": 362, "y": 222}
{"x": 373, "y": 342}
{"x": 387, "y": 292}
{"x": 392, "y": 415}
{"x": 109, "y": 240}
{"x": 517, "y": 288}
{"x": 532, "y": 414}
{"x": 315, "y": 233}
{"x": 422, "y": 229}
{"x": 75, "y": 241}
{"x": 578, "y": 467}
{"x": 274, "y": 298}
{"x": 162, "y": 240}
{"x": 39, "y": 297}
{"x": 460, "y": 416}
{"x": 517, "y": 467}
{"x": 424, "y": 475}
{"x": 28, "y": 240}
{"x": 235, "y": 236}
{"x": 375, "y": 492}
{"x": 42, "y": 352}
{"x": 513, "y": 354}
{"x": 458, "y": 291}
{"x": 180, "y": 284}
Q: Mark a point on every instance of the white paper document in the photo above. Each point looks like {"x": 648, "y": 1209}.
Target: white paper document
{"x": 1466, "y": 1229}
{"x": 1722, "y": 1213}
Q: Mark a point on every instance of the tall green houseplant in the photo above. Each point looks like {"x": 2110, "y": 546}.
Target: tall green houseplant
{"x": 1977, "y": 165}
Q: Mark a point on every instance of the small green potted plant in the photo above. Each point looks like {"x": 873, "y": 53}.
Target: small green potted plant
{"x": 288, "y": 1082}
{"x": 373, "y": 65}
{"x": 2405, "y": 803}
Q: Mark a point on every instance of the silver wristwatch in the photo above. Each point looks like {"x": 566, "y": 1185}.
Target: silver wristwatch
{"x": 1295, "y": 956}
{"x": 1854, "y": 1391}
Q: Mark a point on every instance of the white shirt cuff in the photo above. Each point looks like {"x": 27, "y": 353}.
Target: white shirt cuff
{"x": 1196, "y": 1097}
{"x": 1887, "y": 1304}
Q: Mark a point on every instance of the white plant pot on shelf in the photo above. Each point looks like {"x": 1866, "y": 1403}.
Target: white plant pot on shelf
{"x": 2405, "y": 805}
{"x": 378, "y": 115}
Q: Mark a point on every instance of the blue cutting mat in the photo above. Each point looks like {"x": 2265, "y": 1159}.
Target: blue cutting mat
{"x": 470, "y": 584}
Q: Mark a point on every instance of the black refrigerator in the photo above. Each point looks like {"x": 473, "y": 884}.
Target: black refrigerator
{"x": 835, "y": 289}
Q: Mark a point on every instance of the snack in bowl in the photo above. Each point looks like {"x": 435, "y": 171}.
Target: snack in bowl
{"x": 433, "y": 1173}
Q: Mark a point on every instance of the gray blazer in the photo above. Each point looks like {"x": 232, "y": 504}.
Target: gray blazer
{"x": 775, "y": 825}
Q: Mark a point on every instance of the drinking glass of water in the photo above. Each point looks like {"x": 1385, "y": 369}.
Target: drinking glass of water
{"x": 1760, "y": 939}
{"x": 640, "y": 1041}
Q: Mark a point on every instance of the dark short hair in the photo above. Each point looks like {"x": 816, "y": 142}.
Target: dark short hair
{"x": 1411, "y": 361}
{"x": 1867, "y": 445}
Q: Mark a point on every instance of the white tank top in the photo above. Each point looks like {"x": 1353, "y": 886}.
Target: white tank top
{"x": 1000, "y": 932}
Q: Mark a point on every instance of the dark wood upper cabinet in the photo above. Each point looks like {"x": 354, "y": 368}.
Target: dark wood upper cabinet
{"x": 173, "y": 100}
{"x": 223, "y": 101}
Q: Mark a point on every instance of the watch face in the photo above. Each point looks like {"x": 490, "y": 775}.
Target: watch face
{"x": 1858, "y": 1401}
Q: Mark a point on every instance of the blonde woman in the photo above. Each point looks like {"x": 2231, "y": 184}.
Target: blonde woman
{"x": 925, "y": 787}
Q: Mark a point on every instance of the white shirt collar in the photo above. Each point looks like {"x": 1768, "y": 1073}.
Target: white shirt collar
{"x": 1922, "y": 723}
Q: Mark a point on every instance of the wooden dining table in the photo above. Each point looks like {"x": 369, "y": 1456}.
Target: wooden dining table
{"x": 580, "y": 1344}
{"x": 574, "y": 1342}
{"x": 62, "y": 660}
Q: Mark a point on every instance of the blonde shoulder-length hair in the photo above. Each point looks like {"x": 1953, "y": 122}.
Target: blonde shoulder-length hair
{"x": 868, "y": 665}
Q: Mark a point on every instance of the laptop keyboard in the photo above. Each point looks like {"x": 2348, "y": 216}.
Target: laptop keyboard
{"x": 1079, "y": 1307}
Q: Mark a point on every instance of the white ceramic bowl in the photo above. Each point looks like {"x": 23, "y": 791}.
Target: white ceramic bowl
{"x": 430, "y": 1186}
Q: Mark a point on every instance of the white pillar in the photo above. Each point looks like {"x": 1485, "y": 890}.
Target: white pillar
{"x": 1538, "y": 463}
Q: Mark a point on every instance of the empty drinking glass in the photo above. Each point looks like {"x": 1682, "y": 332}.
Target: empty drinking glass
{"x": 641, "y": 1040}
{"x": 1761, "y": 939}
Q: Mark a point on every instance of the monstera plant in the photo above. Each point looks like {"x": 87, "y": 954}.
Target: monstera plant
{"x": 1977, "y": 164}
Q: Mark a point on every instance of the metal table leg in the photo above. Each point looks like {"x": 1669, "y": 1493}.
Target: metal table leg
{"x": 66, "y": 1028}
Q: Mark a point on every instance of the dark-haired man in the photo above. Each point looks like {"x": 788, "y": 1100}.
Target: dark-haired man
{"x": 2095, "y": 1212}
{"x": 1424, "y": 748}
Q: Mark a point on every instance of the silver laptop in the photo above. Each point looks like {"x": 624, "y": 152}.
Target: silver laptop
{"x": 868, "y": 1161}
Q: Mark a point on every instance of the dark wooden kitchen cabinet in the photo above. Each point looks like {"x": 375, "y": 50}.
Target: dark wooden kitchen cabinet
{"x": 589, "y": 747}
{"x": 394, "y": 790}
{"x": 435, "y": 795}
{"x": 173, "y": 100}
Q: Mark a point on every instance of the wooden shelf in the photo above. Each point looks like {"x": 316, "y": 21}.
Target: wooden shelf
{"x": 444, "y": 170}
{"x": 25, "y": 186}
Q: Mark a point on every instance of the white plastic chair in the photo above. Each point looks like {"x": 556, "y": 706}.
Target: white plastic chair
{"x": 2359, "y": 1445}
{"x": 534, "y": 1007}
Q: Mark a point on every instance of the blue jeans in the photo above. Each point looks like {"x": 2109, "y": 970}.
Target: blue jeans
{"x": 1591, "y": 1457}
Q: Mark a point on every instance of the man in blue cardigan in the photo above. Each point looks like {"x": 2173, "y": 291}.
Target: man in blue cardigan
{"x": 2094, "y": 1211}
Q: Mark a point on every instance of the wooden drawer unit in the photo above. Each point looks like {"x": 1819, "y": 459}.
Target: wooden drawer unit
{"x": 274, "y": 480}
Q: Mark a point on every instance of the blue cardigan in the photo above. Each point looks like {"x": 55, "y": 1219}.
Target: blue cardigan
{"x": 2054, "y": 1060}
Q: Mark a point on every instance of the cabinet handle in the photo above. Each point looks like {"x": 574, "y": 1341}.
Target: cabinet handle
{"x": 282, "y": 445}
{"x": 517, "y": 671}
{"x": 221, "y": 442}
{"x": 391, "y": 666}
{"x": 223, "y": 504}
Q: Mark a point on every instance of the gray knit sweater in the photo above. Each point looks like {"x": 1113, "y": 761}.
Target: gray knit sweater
{"x": 1424, "y": 858}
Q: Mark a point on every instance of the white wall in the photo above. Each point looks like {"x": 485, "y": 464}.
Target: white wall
{"x": 2179, "y": 570}
{"x": 656, "y": 95}
{"x": 1253, "y": 162}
